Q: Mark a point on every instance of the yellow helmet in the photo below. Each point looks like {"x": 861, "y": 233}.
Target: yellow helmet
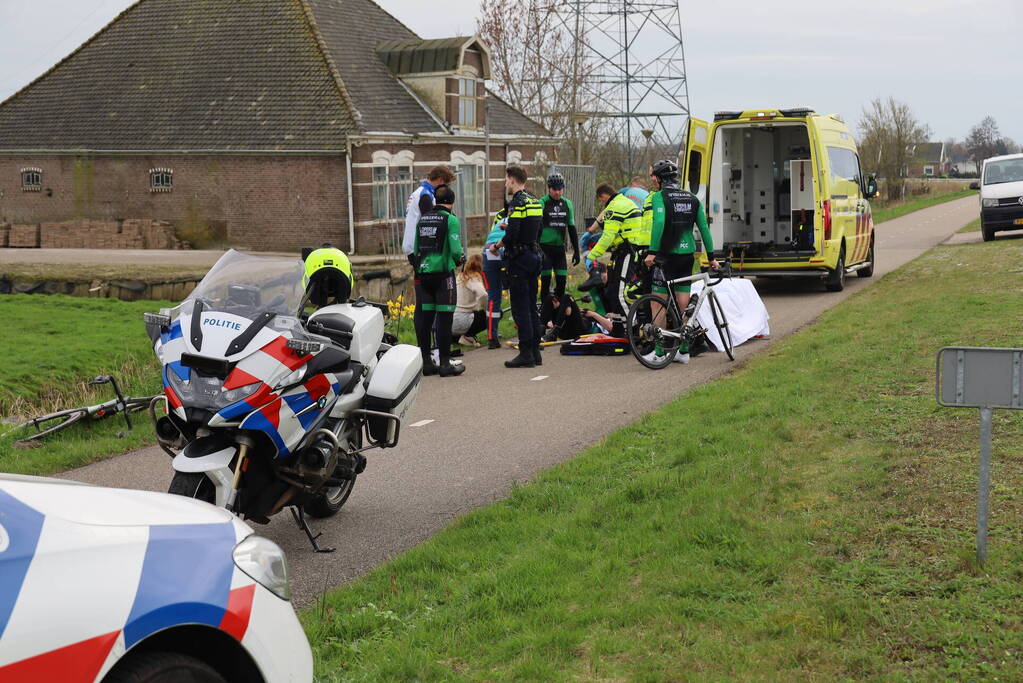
{"x": 328, "y": 275}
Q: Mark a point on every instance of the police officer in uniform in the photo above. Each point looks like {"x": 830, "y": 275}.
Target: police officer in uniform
{"x": 671, "y": 214}
{"x": 626, "y": 238}
{"x": 523, "y": 261}
{"x": 558, "y": 222}
{"x": 437, "y": 250}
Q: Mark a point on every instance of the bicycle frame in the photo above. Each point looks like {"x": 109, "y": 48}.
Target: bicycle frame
{"x": 673, "y": 302}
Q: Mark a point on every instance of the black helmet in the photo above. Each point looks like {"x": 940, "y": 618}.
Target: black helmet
{"x": 556, "y": 181}
{"x": 666, "y": 170}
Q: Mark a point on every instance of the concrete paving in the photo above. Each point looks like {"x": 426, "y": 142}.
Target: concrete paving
{"x": 493, "y": 427}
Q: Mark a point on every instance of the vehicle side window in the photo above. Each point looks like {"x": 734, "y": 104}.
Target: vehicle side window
{"x": 845, "y": 171}
{"x": 695, "y": 164}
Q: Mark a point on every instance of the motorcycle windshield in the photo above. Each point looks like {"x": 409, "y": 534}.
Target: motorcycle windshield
{"x": 246, "y": 285}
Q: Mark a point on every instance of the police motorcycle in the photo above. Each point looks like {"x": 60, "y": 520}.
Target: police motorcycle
{"x": 268, "y": 407}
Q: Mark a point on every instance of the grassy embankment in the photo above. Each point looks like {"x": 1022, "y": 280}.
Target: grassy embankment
{"x": 886, "y": 211}
{"x": 808, "y": 517}
{"x": 51, "y": 347}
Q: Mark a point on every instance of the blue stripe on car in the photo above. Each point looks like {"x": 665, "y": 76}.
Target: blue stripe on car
{"x": 20, "y": 527}
{"x": 186, "y": 578}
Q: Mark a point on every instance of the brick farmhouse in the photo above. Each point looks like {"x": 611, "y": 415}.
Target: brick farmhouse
{"x": 267, "y": 124}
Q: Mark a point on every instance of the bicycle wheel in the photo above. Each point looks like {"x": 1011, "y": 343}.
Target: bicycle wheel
{"x": 645, "y": 324}
{"x": 47, "y": 424}
{"x": 721, "y": 323}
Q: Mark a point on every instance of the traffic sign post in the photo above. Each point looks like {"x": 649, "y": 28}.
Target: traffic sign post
{"x": 984, "y": 378}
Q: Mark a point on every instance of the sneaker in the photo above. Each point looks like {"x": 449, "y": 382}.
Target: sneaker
{"x": 682, "y": 358}
{"x": 552, "y": 335}
{"x": 468, "y": 341}
{"x": 494, "y": 344}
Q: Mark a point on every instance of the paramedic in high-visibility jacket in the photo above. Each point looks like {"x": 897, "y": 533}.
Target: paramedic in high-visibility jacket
{"x": 671, "y": 213}
{"x": 523, "y": 261}
{"x": 625, "y": 237}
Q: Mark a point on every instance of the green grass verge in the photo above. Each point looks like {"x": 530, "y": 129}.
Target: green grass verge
{"x": 972, "y": 226}
{"x": 51, "y": 347}
{"x": 886, "y": 214}
{"x": 808, "y": 517}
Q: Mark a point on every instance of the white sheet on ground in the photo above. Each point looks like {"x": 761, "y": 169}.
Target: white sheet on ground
{"x": 746, "y": 313}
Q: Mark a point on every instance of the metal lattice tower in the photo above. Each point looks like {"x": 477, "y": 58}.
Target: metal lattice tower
{"x": 632, "y": 56}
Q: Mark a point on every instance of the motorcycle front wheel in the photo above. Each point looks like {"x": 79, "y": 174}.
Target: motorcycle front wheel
{"x": 193, "y": 485}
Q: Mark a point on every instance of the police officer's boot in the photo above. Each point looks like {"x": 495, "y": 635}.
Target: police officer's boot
{"x": 523, "y": 360}
{"x": 537, "y": 358}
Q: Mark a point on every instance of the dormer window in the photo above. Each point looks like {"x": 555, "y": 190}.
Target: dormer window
{"x": 467, "y": 102}
{"x": 161, "y": 180}
{"x": 31, "y": 179}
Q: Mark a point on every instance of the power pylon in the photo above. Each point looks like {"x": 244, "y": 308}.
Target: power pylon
{"x": 632, "y": 57}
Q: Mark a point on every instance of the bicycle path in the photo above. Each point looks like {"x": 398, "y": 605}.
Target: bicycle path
{"x": 470, "y": 439}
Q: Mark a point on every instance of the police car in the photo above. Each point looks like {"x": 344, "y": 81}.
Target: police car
{"x": 114, "y": 585}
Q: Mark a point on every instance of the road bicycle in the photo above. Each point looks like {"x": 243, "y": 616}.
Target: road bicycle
{"x": 657, "y": 327}
{"x": 38, "y": 427}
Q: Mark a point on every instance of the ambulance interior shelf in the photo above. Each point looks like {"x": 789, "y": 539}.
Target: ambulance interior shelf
{"x": 765, "y": 190}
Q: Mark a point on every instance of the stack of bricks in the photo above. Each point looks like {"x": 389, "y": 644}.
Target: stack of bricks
{"x": 132, "y": 233}
{"x": 25, "y": 236}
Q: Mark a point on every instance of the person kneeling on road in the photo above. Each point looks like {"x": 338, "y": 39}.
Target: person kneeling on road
{"x": 569, "y": 321}
{"x": 671, "y": 213}
{"x": 437, "y": 250}
{"x": 470, "y": 319}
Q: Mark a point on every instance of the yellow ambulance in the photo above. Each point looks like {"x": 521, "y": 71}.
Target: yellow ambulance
{"x": 784, "y": 193}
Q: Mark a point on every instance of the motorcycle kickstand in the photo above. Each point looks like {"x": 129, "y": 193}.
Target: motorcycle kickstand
{"x": 299, "y": 516}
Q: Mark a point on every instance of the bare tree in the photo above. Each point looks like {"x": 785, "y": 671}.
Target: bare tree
{"x": 541, "y": 70}
{"x": 985, "y": 141}
{"x": 889, "y": 133}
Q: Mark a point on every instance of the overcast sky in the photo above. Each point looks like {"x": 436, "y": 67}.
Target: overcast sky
{"x": 953, "y": 62}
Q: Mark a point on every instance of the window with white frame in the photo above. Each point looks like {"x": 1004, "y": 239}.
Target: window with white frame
{"x": 380, "y": 187}
{"x": 161, "y": 179}
{"x": 471, "y": 183}
{"x": 31, "y": 179}
{"x": 403, "y": 186}
{"x": 928, "y": 170}
{"x": 467, "y": 102}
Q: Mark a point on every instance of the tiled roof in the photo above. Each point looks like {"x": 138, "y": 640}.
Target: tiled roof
{"x": 929, "y": 152}
{"x": 187, "y": 74}
{"x": 229, "y": 75}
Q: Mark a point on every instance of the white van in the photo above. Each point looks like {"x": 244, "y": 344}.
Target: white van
{"x": 1001, "y": 195}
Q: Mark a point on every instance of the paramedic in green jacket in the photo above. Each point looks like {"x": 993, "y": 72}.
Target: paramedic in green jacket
{"x": 671, "y": 214}
{"x": 437, "y": 251}
{"x": 558, "y": 223}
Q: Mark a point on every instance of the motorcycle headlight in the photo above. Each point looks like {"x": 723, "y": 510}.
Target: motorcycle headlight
{"x": 239, "y": 393}
{"x": 264, "y": 561}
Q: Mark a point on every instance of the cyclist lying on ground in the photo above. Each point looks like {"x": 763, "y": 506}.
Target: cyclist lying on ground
{"x": 569, "y": 321}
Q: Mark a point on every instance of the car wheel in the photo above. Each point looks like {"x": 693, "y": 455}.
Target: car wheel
{"x": 193, "y": 485}
{"x": 869, "y": 270}
{"x": 835, "y": 281}
{"x": 987, "y": 233}
{"x": 163, "y": 667}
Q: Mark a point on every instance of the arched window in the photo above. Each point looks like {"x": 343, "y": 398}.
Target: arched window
{"x": 31, "y": 179}
{"x": 393, "y": 182}
{"x": 161, "y": 179}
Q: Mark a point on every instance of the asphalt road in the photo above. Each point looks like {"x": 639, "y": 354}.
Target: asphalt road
{"x": 493, "y": 427}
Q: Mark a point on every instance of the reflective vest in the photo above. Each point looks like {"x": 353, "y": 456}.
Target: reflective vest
{"x": 623, "y": 223}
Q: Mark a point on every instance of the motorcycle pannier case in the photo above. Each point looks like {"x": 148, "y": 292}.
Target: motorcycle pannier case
{"x": 393, "y": 388}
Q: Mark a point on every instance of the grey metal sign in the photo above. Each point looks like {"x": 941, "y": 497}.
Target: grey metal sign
{"x": 984, "y": 378}
{"x": 975, "y": 377}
